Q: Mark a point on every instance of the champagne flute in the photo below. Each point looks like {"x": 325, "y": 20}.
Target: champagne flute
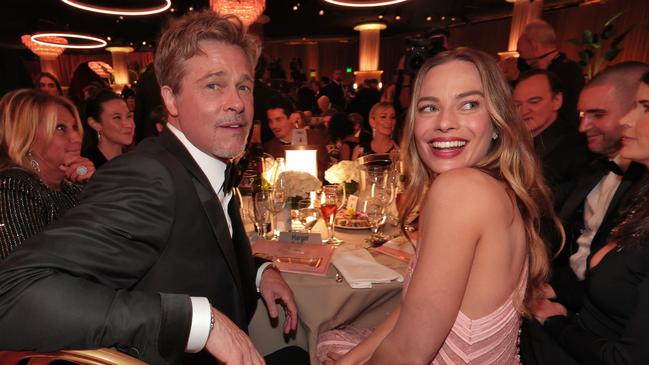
{"x": 308, "y": 214}
{"x": 261, "y": 213}
{"x": 332, "y": 199}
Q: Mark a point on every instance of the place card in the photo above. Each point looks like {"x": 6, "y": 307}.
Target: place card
{"x": 299, "y": 137}
{"x": 352, "y": 202}
{"x": 300, "y": 237}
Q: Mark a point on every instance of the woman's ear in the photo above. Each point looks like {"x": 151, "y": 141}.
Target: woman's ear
{"x": 94, "y": 124}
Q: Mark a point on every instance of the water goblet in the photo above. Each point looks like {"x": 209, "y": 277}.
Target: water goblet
{"x": 261, "y": 213}
{"x": 308, "y": 214}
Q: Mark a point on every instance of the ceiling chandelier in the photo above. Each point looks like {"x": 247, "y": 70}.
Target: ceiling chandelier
{"x": 84, "y": 5}
{"x": 247, "y": 10}
{"x": 42, "y": 50}
{"x": 364, "y": 3}
{"x": 45, "y": 40}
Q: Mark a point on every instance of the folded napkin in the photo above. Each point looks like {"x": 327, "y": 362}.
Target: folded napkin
{"x": 360, "y": 270}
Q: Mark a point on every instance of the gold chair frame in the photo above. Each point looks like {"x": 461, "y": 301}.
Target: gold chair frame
{"x": 102, "y": 356}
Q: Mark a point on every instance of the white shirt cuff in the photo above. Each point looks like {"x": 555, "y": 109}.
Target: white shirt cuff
{"x": 200, "y": 328}
{"x": 260, "y": 271}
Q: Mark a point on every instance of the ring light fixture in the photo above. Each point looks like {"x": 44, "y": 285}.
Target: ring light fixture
{"x": 40, "y": 38}
{"x": 84, "y": 5}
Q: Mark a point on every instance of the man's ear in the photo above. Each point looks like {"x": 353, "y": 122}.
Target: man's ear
{"x": 169, "y": 98}
{"x": 557, "y": 101}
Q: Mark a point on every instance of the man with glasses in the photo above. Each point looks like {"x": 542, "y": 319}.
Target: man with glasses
{"x": 537, "y": 47}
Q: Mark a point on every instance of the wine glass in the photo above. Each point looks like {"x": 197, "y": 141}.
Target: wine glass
{"x": 332, "y": 199}
{"x": 308, "y": 214}
{"x": 375, "y": 200}
{"x": 261, "y": 213}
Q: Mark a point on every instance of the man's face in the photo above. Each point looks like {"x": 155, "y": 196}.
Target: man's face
{"x": 600, "y": 112}
{"x": 536, "y": 104}
{"x": 528, "y": 51}
{"x": 279, "y": 123}
{"x": 337, "y": 76}
{"x": 213, "y": 107}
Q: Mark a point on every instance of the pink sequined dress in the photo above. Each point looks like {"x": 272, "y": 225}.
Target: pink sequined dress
{"x": 492, "y": 339}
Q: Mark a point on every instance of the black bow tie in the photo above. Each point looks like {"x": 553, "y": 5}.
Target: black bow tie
{"x": 610, "y": 166}
{"x": 233, "y": 174}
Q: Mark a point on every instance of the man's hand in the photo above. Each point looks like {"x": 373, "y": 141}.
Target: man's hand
{"x": 273, "y": 287}
{"x": 543, "y": 309}
{"x": 229, "y": 344}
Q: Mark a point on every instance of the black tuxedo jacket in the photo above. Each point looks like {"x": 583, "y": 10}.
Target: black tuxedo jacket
{"x": 118, "y": 269}
{"x": 564, "y": 281}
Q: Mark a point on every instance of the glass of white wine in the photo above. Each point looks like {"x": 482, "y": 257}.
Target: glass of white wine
{"x": 308, "y": 214}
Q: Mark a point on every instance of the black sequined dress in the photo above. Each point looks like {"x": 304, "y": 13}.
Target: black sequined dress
{"x": 27, "y": 206}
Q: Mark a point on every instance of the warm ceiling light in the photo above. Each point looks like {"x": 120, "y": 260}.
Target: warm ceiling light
{"x": 42, "y": 38}
{"x": 321, "y": 12}
{"x": 120, "y": 49}
{"x": 370, "y": 26}
{"x": 101, "y": 68}
{"x": 42, "y": 50}
{"x": 364, "y": 3}
{"x": 398, "y": 17}
{"x": 247, "y": 10}
{"x": 429, "y": 18}
{"x": 165, "y": 4}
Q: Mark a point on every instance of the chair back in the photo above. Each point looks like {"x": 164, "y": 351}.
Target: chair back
{"x": 102, "y": 356}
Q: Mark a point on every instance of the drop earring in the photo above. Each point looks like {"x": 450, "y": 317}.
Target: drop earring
{"x": 33, "y": 163}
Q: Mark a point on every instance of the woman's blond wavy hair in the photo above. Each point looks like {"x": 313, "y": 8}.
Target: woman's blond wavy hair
{"x": 23, "y": 111}
{"x": 511, "y": 159}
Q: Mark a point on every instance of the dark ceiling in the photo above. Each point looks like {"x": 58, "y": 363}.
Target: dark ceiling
{"x": 33, "y": 16}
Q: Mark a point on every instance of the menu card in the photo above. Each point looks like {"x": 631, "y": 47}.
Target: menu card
{"x": 302, "y": 258}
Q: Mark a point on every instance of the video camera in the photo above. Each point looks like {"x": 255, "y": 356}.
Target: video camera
{"x": 419, "y": 49}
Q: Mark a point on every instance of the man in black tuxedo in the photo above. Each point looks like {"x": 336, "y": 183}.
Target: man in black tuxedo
{"x": 591, "y": 210}
{"x": 335, "y": 91}
{"x": 560, "y": 147}
{"x": 155, "y": 261}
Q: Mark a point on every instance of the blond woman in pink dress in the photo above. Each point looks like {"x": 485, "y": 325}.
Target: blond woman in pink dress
{"x": 479, "y": 260}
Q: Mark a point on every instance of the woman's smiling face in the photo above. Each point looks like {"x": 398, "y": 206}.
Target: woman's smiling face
{"x": 452, "y": 126}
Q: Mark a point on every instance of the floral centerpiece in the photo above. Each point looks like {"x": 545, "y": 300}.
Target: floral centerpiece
{"x": 299, "y": 184}
{"x": 344, "y": 172}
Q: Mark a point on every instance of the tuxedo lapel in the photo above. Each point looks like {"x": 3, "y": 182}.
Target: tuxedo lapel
{"x": 211, "y": 205}
{"x": 575, "y": 200}
{"x": 632, "y": 175}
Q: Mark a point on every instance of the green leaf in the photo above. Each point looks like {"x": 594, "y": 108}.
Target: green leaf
{"x": 607, "y": 32}
{"x": 613, "y": 19}
{"x": 596, "y": 45}
{"x": 612, "y": 53}
{"x": 616, "y": 42}
{"x": 587, "y": 37}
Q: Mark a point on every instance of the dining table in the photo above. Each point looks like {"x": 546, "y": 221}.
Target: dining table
{"x": 329, "y": 302}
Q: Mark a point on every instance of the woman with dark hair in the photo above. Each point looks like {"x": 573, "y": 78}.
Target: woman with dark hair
{"x": 341, "y": 138}
{"x": 111, "y": 127}
{"x": 480, "y": 261}
{"x": 612, "y": 325}
{"x": 40, "y": 165}
{"x": 49, "y": 84}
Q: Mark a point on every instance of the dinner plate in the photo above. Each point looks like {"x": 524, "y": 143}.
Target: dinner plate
{"x": 350, "y": 227}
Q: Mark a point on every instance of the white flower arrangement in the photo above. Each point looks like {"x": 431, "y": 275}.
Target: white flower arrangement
{"x": 300, "y": 183}
{"x": 343, "y": 172}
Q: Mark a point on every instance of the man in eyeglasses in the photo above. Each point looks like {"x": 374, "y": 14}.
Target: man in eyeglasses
{"x": 537, "y": 47}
